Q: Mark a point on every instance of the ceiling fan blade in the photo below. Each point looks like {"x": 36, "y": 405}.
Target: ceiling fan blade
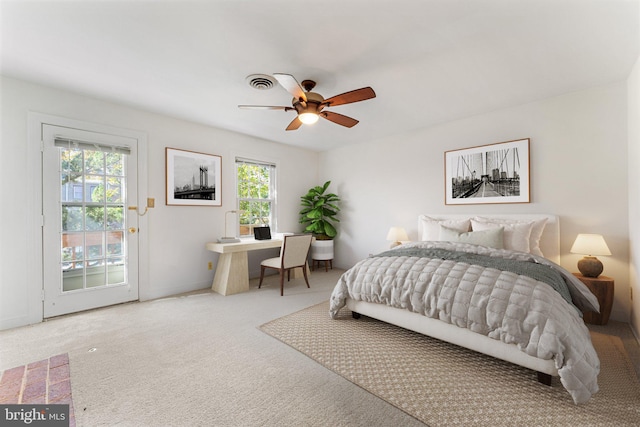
{"x": 349, "y": 97}
{"x": 295, "y": 124}
{"x": 292, "y": 86}
{"x": 339, "y": 119}
{"x": 264, "y": 107}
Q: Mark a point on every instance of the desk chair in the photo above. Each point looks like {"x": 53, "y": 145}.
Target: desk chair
{"x": 294, "y": 253}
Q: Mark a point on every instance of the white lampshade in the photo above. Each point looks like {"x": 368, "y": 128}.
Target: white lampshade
{"x": 397, "y": 234}
{"x": 590, "y": 244}
{"x": 231, "y": 238}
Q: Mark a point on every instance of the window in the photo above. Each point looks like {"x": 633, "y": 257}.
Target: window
{"x": 256, "y": 194}
{"x": 92, "y": 201}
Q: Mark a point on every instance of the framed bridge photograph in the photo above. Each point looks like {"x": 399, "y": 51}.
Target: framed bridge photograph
{"x": 193, "y": 179}
{"x": 494, "y": 173}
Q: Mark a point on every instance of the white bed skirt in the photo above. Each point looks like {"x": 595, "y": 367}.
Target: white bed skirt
{"x": 452, "y": 334}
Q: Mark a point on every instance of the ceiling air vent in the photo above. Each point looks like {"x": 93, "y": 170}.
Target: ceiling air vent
{"x": 261, "y": 81}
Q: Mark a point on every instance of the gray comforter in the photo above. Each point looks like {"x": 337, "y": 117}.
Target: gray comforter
{"x": 495, "y": 292}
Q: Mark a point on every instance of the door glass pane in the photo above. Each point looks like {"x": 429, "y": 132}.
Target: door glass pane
{"x": 94, "y": 162}
{"x": 115, "y": 218}
{"x": 72, "y": 252}
{"x": 115, "y": 243}
{"x": 115, "y": 164}
{"x": 94, "y": 188}
{"x": 94, "y": 243}
{"x": 73, "y": 280}
{"x": 93, "y": 220}
{"x": 114, "y": 189}
{"x": 72, "y": 218}
{"x": 115, "y": 271}
{"x": 71, "y": 187}
{"x": 95, "y": 273}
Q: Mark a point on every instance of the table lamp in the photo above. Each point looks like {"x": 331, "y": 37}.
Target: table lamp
{"x": 232, "y": 239}
{"x": 395, "y": 235}
{"x": 590, "y": 245}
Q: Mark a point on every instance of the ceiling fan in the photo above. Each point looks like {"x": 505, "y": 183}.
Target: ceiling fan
{"x": 310, "y": 105}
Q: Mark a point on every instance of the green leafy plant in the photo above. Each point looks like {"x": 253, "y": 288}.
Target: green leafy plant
{"x": 319, "y": 210}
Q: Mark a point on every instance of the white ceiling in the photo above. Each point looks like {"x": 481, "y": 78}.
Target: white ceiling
{"x": 429, "y": 61}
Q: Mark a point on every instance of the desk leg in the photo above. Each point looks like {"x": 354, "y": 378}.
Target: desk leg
{"x": 232, "y": 274}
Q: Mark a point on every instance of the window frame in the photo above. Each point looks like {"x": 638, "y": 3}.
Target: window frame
{"x": 273, "y": 199}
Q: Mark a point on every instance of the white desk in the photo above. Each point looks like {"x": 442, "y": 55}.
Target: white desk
{"x": 232, "y": 272}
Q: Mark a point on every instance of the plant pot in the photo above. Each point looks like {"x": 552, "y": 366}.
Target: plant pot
{"x": 321, "y": 249}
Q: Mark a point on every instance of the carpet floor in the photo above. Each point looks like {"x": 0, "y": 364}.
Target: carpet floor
{"x": 444, "y": 385}
{"x": 199, "y": 359}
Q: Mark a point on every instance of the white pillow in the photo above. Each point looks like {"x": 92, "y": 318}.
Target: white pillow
{"x": 536, "y": 230}
{"x": 431, "y": 226}
{"x": 516, "y": 236}
{"x": 492, "y": 238}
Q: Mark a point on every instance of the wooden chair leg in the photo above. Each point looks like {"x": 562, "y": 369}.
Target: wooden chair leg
{"x": 288, "y": 275}
{"x": 281, "y": 283}
{"x": 304, "y": 271}
{"x": 261, "y": 275}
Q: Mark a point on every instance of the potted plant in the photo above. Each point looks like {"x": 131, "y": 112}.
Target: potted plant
{"x": 319, "y": 210}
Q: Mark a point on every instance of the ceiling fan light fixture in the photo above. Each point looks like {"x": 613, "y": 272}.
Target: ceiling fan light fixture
{"x": 310, "y": 105}
{"x": 308, "y": 118}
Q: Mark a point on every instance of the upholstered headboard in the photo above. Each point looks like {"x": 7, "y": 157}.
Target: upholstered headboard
{"x": 549, "y": 242}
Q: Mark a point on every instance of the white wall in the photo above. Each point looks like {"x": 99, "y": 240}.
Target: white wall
{"x": 578, "y": 171}
{"x": 176, "y": 236}
{"x": 579, "y": 147}
{"x": 633, "y": 115}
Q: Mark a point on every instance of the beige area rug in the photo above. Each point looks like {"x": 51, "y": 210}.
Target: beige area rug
{"x": 442, "y": 384}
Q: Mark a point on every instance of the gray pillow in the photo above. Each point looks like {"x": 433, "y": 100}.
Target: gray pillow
{"x": 492, "y": 238}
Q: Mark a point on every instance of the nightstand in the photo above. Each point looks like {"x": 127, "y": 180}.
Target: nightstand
{"x": 602, "y": 287}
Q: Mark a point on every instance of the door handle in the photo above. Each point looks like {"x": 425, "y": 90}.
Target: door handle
{"x": 132, "y": 230}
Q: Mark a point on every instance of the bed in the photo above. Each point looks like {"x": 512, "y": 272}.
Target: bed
{"x": 489, "y": 283}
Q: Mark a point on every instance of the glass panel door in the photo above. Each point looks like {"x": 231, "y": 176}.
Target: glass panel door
{"x": 89, "y": 235}
{"x": 92, "y": 228}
